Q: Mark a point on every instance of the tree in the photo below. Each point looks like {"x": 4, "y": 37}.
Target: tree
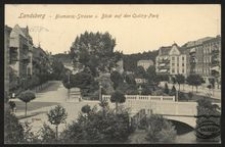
{"x": 91, "y": 45}
{"x": 195, "y": 80}
{"x": 212, "y": 83}
{"x": 207, "y": 112}
{"x": 151, "y": 74}
{"x": 47, "y": 134}
{"x": 174, "y": 80}
{"x": 117, "y": 97}
{"x": 140, "y": 72}
{"x": 57, "y": 116}
{"x": 12, "y": 105}
{"x": 173, "y": 91}
{"x": 13, "y": 130}
{"x": 116, "y": 78}
{"x": 180, "y": 80}
{"x": 159, "y": 130}
{"x": 26, "y": 97}
{"x": 86, "y": 109}
{"x": 111, "y": 128}
{"x": 103, "y": 104}
{"x": 166, "y": 89}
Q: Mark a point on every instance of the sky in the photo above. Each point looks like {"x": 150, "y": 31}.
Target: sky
{"x": 146, "y": 27}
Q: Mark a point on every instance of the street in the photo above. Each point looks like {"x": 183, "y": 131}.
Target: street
{"x": 201, "y": 90}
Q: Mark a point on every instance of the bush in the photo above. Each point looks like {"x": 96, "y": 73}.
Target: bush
{"x": 159, "y": 130}
{"x": 99, "y": 128}
{"x": 13, "y": 130}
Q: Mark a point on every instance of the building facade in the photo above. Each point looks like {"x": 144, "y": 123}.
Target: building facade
{"x": 171, "y": 61}
{"x": 145, "y": 63}
{"x": 204, "y": 57}
{"x": 212, "y": 57}
{"x": 7, "y": 31}
{"x": 21, "y": 46}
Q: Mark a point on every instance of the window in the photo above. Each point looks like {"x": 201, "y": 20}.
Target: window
{"x": 183, "y": 64}
{"x": 172, "y": 70}
{"x": 182, "y": 70}
{"x": 178, "y": 58}
{"x": 172, "y": 64}
{"x": 173, "y": 58}
{"x": 183, "y": 58}
{"x": 177, "y": 64}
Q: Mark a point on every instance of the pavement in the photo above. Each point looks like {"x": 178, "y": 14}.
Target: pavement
{"x": 203, "y": 91}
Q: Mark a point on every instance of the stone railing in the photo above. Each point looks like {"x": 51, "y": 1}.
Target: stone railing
{"x": 144, "y": 97}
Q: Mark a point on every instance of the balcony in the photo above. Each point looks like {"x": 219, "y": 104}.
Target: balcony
{"x": 25, "y": 59}
{"x": 215, "y": 62}
{"x": 192, "y": 51}
{"x": 215, "y": 51}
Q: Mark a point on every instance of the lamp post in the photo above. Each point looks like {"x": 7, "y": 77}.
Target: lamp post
{"x": 68, "y": 76}
{"x": 100, "y": 91}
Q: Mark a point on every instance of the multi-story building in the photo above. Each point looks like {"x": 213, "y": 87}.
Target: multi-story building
{"x": 212, "y": 59}
{"x": 203, "y": 57}
{"x": 171, "y": 60}
{"x": 145, "y": 63}
{"x": 20, "y": 47}
{"x": 7, "y": 32}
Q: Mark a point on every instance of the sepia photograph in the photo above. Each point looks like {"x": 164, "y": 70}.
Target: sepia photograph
{"x": 112, "y": 74}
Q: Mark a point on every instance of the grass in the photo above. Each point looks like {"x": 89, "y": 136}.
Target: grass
{"x": 20, "y": 106}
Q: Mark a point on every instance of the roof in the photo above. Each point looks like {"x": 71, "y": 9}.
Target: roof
{"x": 165, "y": 50}
{"x": 196, "y": 42}
{"x": 22, "y": 31}
{"x": 217, "y": 38}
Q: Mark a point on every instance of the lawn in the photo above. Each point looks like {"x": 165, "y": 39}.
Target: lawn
{"x": 20, "y": 106}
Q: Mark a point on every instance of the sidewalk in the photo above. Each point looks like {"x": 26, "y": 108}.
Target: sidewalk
{"x": 202, "y": 91}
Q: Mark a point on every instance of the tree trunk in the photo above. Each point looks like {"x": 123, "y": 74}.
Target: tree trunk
{"x": 25, "y": 109}
{"x": 116, "y": 107}
{"x": 179, "y": 87}
{"x": 196, "y": 88}
{"x": 56, "y": 132}
{"x": 68, "y": 92}
{"x": 192, "y": 88}
{"x": 183, "y": 87}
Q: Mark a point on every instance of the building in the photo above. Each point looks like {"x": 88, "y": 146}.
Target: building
{"x": 145, "y": 63}
{"x": 21, "y": 46}
{"x": 141, "y": 80}
{"x": 119, "y": 66}
{"x": 7, "y": 31}
{"x": 203, "y": 57}
{"x": 171, "y": 60}
{"x": 212, "y": 59}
